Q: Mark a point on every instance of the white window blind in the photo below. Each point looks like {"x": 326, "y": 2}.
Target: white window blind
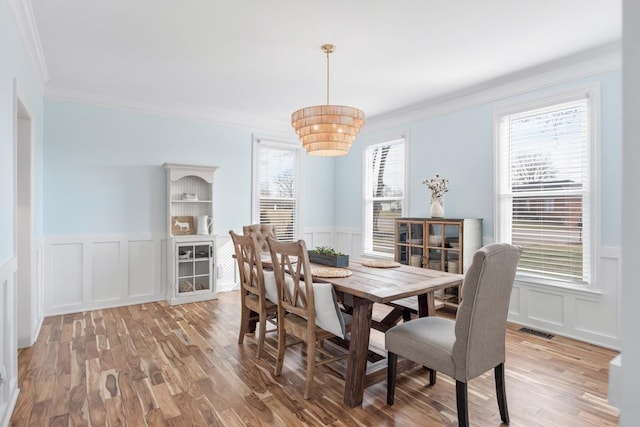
{"x": 544, "y": 189}
{"x": 276, "y": 188}
{"x": 384, "y": 194}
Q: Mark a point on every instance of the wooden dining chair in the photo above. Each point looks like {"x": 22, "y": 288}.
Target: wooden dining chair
{"x": 306, "y": 310}
{"x": 261, "y": 231}
{"x": 472, "y": 344}
{"x": 253, "y": 289}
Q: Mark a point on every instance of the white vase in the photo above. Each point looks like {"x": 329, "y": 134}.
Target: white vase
{"x": 437, "y": 207}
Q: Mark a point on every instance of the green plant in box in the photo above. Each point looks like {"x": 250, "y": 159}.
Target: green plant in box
{"x": 328, "y": 256}
{"x": 326, "y": 250}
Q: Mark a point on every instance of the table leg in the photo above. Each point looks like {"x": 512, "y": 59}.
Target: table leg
{"x": 426, "y": 305}
{"x": 358, "y": 350}
{"x": 253, "y": 322}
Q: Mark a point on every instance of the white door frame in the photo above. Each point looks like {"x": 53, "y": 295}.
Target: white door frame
{"x": 23, "y": 223}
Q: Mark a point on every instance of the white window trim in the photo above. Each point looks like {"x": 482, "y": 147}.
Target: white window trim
{"x": 255, "y": 193}
{"x": 366, "y": 222}
{"x": 593, "y": 93}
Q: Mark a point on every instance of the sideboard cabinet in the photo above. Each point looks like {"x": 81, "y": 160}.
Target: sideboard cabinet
{"x": 444, "y": 244}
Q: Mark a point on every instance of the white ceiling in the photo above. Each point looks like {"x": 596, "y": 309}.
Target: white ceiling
{"x": 256, "y": 61}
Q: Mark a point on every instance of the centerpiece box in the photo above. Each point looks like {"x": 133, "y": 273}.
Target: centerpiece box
{"x": 328, "y": 256}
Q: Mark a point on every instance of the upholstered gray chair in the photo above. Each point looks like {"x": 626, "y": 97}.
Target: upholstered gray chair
{"x": 472, "y": 344}
{"x": 261, "y": 231}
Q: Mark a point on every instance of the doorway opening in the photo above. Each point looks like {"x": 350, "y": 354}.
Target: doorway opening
{"x": 26, "y": 289}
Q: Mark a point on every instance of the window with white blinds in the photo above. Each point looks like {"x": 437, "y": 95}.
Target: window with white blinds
{"x": 276, "y": 187}
{"x": 544, "y": 188}
{"x": 384, "y": 194}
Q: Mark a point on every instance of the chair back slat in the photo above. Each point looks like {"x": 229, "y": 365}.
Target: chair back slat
{"x": 249, "y": 264}
{"x": 293, "y": 276}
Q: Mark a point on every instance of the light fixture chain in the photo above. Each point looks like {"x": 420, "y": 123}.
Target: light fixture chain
{"x": 328, "y": 52}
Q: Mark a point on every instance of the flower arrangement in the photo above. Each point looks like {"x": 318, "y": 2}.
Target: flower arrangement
{"x": 437, "y": 185}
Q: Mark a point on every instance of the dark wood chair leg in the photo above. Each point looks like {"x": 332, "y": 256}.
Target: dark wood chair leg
{"x": 501, "y": 393}
{"x": 392, "y": 370}
{"x": 461, "y": 400}
{"x": 432, "y": 376}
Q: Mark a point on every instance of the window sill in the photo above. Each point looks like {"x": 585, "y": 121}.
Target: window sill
{"x": 556, "y": 286}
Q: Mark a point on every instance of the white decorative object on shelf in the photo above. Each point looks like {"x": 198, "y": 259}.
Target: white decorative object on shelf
{"x": 437, "y": 207}
{"x": 438, "y": 187}
{"x": 204, "y": 224}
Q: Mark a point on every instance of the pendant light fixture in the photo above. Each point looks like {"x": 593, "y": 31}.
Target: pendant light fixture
{"x": 327, "y": 130}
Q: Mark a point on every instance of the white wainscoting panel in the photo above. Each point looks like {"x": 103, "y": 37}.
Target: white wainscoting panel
{"x": 590, "y": 315}
{"x": 89, "y": 272}
{"x": 8, "y": 339}
{"x": 546, "y": 306}
{"x": 226, "y": 267}
{"x": 66, "y": 270}
{"x": 73, "y": 264}
{"x": 317, "y": 237}
{"x": 514, "y": 302}
{"x": 142, "y": 261}
{"x": 35, "y": 315}
{"x": 105, "y": 271}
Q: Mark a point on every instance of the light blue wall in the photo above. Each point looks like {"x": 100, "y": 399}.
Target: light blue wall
{"x": 103, "y": 170}
{"x": 459, "y": 146}
{"x": 15, "y": 64}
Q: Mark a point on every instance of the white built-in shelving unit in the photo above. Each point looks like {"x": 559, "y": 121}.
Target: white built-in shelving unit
{"x": 190, "y": 246}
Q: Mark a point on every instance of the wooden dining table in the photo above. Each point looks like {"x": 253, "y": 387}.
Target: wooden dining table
{"x": 368, "y": 285}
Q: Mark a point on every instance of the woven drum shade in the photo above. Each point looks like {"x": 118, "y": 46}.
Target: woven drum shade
{"x": 327, "y": 130}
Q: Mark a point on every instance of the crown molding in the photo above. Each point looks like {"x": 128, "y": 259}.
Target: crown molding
{"x": 217, "y": 116}
{"x": 598, "y": 60}
{"x": 584, "y": 64}
{"x": 26, "y": 24}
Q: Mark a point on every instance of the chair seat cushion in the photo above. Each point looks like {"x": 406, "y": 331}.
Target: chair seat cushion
{"x": 427, "y": 340}
{"x": 328, "y": 314}
{"x": 270, "y": 286}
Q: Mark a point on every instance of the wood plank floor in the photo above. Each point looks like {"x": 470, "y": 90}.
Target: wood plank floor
{"x": 158, "y": 365}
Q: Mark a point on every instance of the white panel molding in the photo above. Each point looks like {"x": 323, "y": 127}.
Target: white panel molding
{"x": 37, "y": 304}
{"x": 8, "y": 339}
{"x": 590, "y": 315}
{"x": 226, "y": 266}
{"x": 345, "y": 240}
{"x": 128, "y": 264}
{"x": 28, "y": 30}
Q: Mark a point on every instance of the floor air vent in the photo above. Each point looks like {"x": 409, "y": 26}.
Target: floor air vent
{"x": 536, "y": 333}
